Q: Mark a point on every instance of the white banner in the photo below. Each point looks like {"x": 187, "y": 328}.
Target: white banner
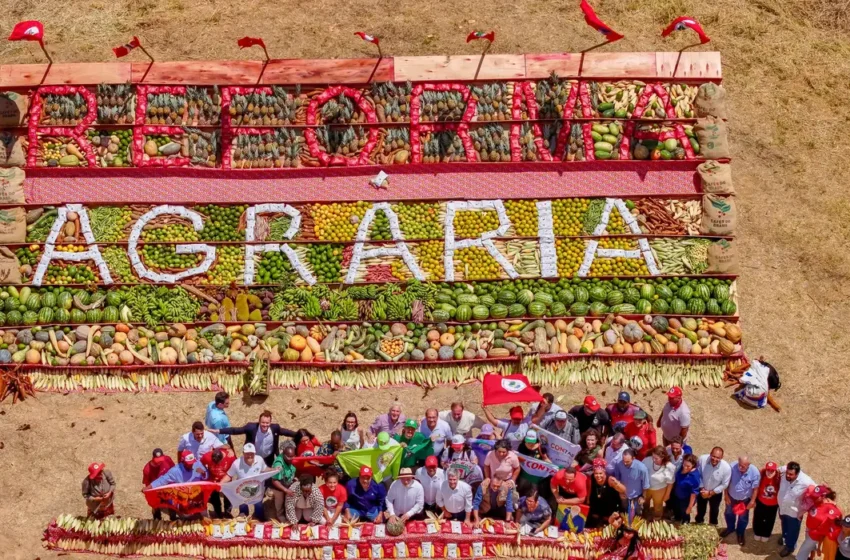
{"x": 249, "y": 490}
{"x": 536, "y": 467}
{"x": 561, "y": 451}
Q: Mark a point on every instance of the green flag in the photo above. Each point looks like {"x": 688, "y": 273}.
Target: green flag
{"x": 384, "y": 462}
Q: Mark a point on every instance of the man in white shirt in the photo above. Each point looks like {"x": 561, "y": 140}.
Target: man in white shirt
{"x": 245, "y": 467}
{"x": 792, "y": 485}
{"x": 438, "y": 430}
{"x": 431, "y": 477}
{"x": 715, "y": 474}
{"x": 461, "y": 421}
{"x": 198, "y": 441}
{"x": 455, "y": 499}
{"x": 406, "y": 497}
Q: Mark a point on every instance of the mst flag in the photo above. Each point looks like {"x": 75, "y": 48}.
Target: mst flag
{"x": 684, "y": 22}
{"x": 31, "y": 30}
{"x": 475, "y": 35}
{"x": 383, "y": 462}
{"x": 561, "y": 451}
{"x": 248, "y": 490}
{"x": 126, "y": 48}
{"x": 593, "y": 21}
{"x": 368, "y": 38}
{"x": 189, "y": 498}
{"x": 505, "y": 389}
{"x": 246, "y": 42}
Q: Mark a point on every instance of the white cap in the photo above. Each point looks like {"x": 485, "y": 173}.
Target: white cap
{"x": 248, "y": 448}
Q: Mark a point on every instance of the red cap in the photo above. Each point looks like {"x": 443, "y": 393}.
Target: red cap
{"x": 365, "y": 471}
{"x": 187, "y": 458}
{"x": 431, "y": 461}
{"x": 516, "y": 413}
{"x": 94, "y": 469}
{"x": 821, "y": 490}
{"x": 591, "y": 403}
{"x": 770, "y": 466}
{"x": 674, "y": 393}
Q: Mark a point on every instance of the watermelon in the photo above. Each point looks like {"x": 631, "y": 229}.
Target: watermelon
{"x": 12, "y": 304}
{"x": 544, "y": 297}
{"x": 498, "y": 311}
{"x": 48, "y": 300}
{"x": 83, "y": 296}
{"x": 33, "y": 302}
{"x": 557, "y": 309}
{"x": 615, "y": 297}
{"x": 467, "y": 299}
{"x": 582, "y": 295}
{"x": 14, "y": 317}
{"x": 721, "y": 292}
{"x": 30, "y": 317}
{"x": 579, "y": 309}
{"x": 480, "y": 312}
{"x": 463, "y": 313}
{"x": 525, "y": 297}
{"x": 507, "y": 297}
{"x": 516, "y": 310}
{"x": 440, "y": 315}
{"x": 712, "y": 307}
{"x": 65, "y": 300}
{"x": 536, "y": 309}
{"x": 728, "y": 307}
{"x": 647, "y": 291}
{"x": 94, "y": 315}
{"x": 643, "y": 306}
{"x": 685, "y": 292}
{"x": 631, "y": 295}
{"x": 441, "y": 297}
{"x": 78, "y": 316}
{"x": 597, "y": 309}
{"x": 110, "y": 315}
{"x": 678, "y": 306}
{"x": 45, "y": 316}
{"x": 2, "y": 318}
{"x": 113, "y": 298}
{"x": 660, "y": 306}
{"x": 696, "y": 306}
{"x": 62, "y": 316}
{"x": 664, "y": 292}
{"x": 598, "y": 294}
{"x": 487, "y": 300}
{"x": 703, "y": 292}
{"x": 624, "y": 309}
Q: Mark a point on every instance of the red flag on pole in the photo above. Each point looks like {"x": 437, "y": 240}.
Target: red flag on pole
{"x": 491, "y": 36}
{"x": 28, "y": 31}
{"x": 187, "y": 498}
{"x": 593, "y": 21}
{"x": 684, "y": 22}
{"x": 502, "y": 389}
{"x": 126, "y": 48}
{"x": 247, "y": 42}
{"x": 368, "y": 38}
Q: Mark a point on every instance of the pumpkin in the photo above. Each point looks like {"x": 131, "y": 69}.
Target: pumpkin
{"x": 685, "y": 346}
{"x": 125, "y": 357}
{"x": 733, "y": 333}
{"x": 168, "y": 355}
{"x": 306, "y": 355}
{"x": 314, "y": 345}
{"x": 726, "y": 347}
{"x": 632, "y": 332}
{"x": 447, "y": 339}
{"x": 122, "y": 328}
{"x": 298, "y": 342}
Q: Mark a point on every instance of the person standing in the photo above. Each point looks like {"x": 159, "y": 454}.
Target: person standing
{"x": 603, "y": 496}
{"x": 614, "y": 451}
{"x": 822, "y": 522}
{"x": 590, "y": 415}
{"x": 352, "y": 434}
{"x": 767, "y": 503}
{"x": 155, "y": 468}
{"x": 281, "y": 482}
{"x": 741, "y": 494}
{"x": 365, "y": 497}
{"x": 187, "y": 470}
{"x": 488, "y": 432}
{"x": 431, "y": 477}
{"x": 461, "y": 421}
{"x": 678, "y": 450}
{"x": 514, "y": 428}
{"x": 531, "y": 447}
{"x": 591, "y": 448}
{"x": 306, "y": 502}
{"x": 715, "y": 474}
{"x": 622, "y": 412}
{"x": 216, "y": 416}
{"x": 662, "y": 474}
{"x": 263, "y": 434}
{"x": 417, "y": 445}
{"x": 563, "y": 425}
{"x": 391, "y": 422}
{"x": 455, "y": 499}
{"x": 335, "y": 496}
{"x": 246, "y": 466}
{"x": 502, "y": 463}
{"x": 218, "y": 462}
{"x": 198, "y": 441}
{"x": 438, "y": 431}
{"x": 543, "y": 411}
{"x": 686, "y": 489}
{"x": 99, "y": 491}
{"x": 634, "y": 476}
{"x": 406, "y": 497}
{"x": 792, "y": 485}
{"x": 640, "y": 434}
{"x": 675, "y": 419}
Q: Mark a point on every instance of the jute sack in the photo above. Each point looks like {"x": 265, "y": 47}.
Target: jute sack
{"x": 711, "y": 134}
{"x": 716, "y": 177}
{"x": 12, "y": 186}
{"x": 10, "y": 268}
{"x": 13, "y": 152}
{"x": 13, "y": 108}
{"x": 722, "y": 257}
{"x": 13, "y": 225}
{"x": 711, "y": 101}
{"x": 719, "y": 215}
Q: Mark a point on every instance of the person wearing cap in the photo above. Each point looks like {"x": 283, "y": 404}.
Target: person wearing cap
{"x": 417, "y": 446}
{"x": 198, "y": 441}
{"x": 843, "y": 552}
{"x": 686, "y": 489}
{"x": 502, "y": 463}
{"x": 216, "y": 416}
{"x": 263, "y": 434}
{"x": 514, "y": 428}
{"x": 792, "y": 484}
{"x": 461, "y": 421}
{"x": 740, "y": 497}
{"x": 455, "y": 499}
{"x": 603, "y": 496}
{"x": 431, "y": 477}
{"x": 621, "y": 412}
{"x": 543, "y": 411}
{"x": 614, "y": 450}
{"x": 634, "y": 476}
{"x": 306, "y": 502}
{"x": 531, "y": 447}
{"x": 767, "y": 502}
{"x": 391, "y": 422}
{"x": 534, "y": 512}
{"x": 159, "y": 464}
{"x": 405, "y": 498}
{"x": 365, "y": 497}
{"x": 248, "y": 465}
{"x": 281, "y": 482}
{"x": 218, "y": 462}
{"x": 438, "y": 431}
{"x": 591, "y": 415}
{"x": 675, "y": 419}
{"x": 187, "y": 470}
{"x": 823, "y": 522}
{"x": 99, "y": 491}
{"x": 488, "y": 435}
{"x": 569, "y": 487}
{"x": 459, "y": 457}
{"x": 662, "y": 473}
{"x": 335, "y": 496}
{"x": 563, "y": 425}
{"x": 641, "y": 435}
{"x": 715, "y": 475}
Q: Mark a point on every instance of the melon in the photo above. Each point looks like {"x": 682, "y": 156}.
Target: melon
{"x": 94, "y": 315}
{"x": 487, "y": 300}
{"x": 647, "y": 291}
{"x": 624, "y": 308}
{"x": 395, "y": 527}
{"x": 463, "y": 313}
{"x": 598, "y": 294}
{"x": 703, "y": 292}
{"x": 631, "y": 295}
{"x": 643, "y": 306}
{"x": 721, "y": 293}
{"x": 525, "y": 297}
{"x": 678, "y": 306}
{"x": 544, "y": 297}
{"x": 480, "y": 312}
{"x": 660, "y": 306}
{"x": 467, "y": 299}
{"x": 507, "y": 297}
{"x": 65, "y": 300}
{"x": 2, "y": 318}
{"x": 45, "y": 316}
{"x": 664, "y": 292}
{"x": 615, "y": 297}
{"x": 728, "y": 307}
{"x": 582, "y": 295}
{"x": 14, "y": 317}
{"x": 62, "y": 316}
{"x": 579, "y": 309}
{"x": 712, "y": 307}
{"x": 696, "y": 306}
{"x": 498, "y": 311}
{"x": 78, "y": 316}
{"x": 536, "y": 309}
{"x": 110, "y": 314}
{"x": 48, "y": 300}
{"x": 557, "y": 309}
{"x": 685, "y": 292}
{"x": 566, "y": 296}
{"x": 30, "y": 317}
{"x": 516, "y": 310}
{"x": 597, "y": 309}
{"x": 33, "y": 302}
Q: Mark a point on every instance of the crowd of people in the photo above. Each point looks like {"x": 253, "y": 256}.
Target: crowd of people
{"x": 623, "y": 468}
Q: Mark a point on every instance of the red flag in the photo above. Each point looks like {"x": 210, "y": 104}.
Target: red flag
{"x": 28, "y": 31}
{"x": 316, "y": 465}
{"x": 186, "y": 499}
{"x": 125, "y": 49}
{"x": 366, "y": 37}
{"x": 501, "y": 389}
{"x": 246, "y": 42}
{"x": 684, "y": 22}
{"x": 481, "y": 35}
{"x": 593, "y": 21}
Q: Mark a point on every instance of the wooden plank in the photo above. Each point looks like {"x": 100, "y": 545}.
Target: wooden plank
{"x": 623, "y": 65}
{"x": 90, "y": 73}
{"x": 692, "y": 65}
{"x": 206, "y": 72}
{"x": 542, "y": 65}
{"x": 459, "y": 67}
{"x": 329, "y": 71}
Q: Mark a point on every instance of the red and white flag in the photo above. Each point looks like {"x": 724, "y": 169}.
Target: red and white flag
{"x": 125, "y": 49}
{"x": 684, "y": 22}
{"x": 28, "y": 31}
{"x": 246, "y": 42}
{"x": 593, "y": 21}
{"x": 368, "y": 38}
{"x": 475, "y": 35}
{"x": 502, "y": 389}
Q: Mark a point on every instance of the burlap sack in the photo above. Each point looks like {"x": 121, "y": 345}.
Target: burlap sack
{"x": 13, "y": 152}
{"x": 716, "y": 177}
{"x": 711, "y": 101}
{"x": 10, "y": 268}
{"x": 13, "y": 225}
{"x": 711, "y": 134}
{"x": 12, "y": 186}
{"x": 13, "y": 108}
{"x": 719, "y": 215}
{"x": 722, "y": 257}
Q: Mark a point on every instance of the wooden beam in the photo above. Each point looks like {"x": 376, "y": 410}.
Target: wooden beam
{"x": 60, "y": 74}
{"x": 693, "y": 64}
{"x": 337, "y": 71}
{"x": 206, "y": 72}
{"x": 459, "y": 67}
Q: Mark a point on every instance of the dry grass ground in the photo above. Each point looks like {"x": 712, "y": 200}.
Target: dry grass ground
{"x": 787, "y": 69}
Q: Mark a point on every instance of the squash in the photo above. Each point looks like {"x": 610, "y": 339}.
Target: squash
{"x": 298, "y": 342}
{"x": 541, "y": 343}
{"x": 498, "y": 353}
{"x": 610, "y": 336}
{"x": 291, "y": 355}
{"x": 619, "y": 348}
{"x": 125, "y": 357}
{"x": 447, "y": 339}
{"x": 573, "y": 344}
{"x": 726, "y": 347}
{"x": 561, "y": 325}
{"x": 733, "y": 333}
{"x": 314, "y": 345}
{"x": 685, "y": 346}
{"x": 168, "y": 356}
{"x": 306, "y": 355}
{"x": 671, "y": 348}
{"x": 696, "y": 349}
{"x": 632, "y": 332}
{"x": 637, "y": 347}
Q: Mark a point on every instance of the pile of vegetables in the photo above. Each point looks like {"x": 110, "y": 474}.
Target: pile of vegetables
{"x": 116, "y": 104}
{"x": 111, "y": 147}
{"x": 59, "y": 151}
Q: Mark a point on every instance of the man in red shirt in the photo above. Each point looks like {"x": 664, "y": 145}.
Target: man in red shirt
{"x": 621, "y": 412}
{"x": 335, "y": 496}
{"x": 640, "y": 434}
{"x": 569, "y": 487}
{"x": 218, "y": 462}
{"x": 155, "y": 468}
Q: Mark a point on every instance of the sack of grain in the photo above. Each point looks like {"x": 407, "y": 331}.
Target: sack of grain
{"x": 722, "y": 257}
{"x": 12, "y": 186}
{"x": 13, "y": 151}
{"x": 711, "y": 134}
{"x": 711, "y": 101}
{"x": 716, "y": 177}
{"x": 13, "y": 225}
{"x": 719, "y": 215}
{"x": 10, "y": 268}
{"x": 13, "y": 108}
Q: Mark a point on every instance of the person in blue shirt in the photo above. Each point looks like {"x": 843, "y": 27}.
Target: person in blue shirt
{"x": 634, "y": 476}
{"x": 216, "y": 416}
{"x": 365, "y": 497}
{"x": 187, "y": 470}
{"x": 741, "y": 492}
{"x": 686, "y": 488}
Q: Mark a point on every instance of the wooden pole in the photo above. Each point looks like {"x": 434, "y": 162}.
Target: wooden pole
{"x": 481, "y": 60}
{"x": 679, "y": 57}
{"x": 581, "y": 58}
{"x": 47, "y": 54}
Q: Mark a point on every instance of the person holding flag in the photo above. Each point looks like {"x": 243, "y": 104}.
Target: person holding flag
{"x": 159, "y": 464}
{"x": 247, "y": 466}
{"x": 217, "y": 463}
{"x": 514, "y": 428}
{"x": 532, "y": 448}
{"x": 365, "y": 497}
{"x": 417, "y": 446}
{"x": 563, "y": 425}
{"x": 544, "y": 411}
{"x": 187, "y": 470}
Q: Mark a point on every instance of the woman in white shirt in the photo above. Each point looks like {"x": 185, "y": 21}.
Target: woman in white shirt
{"x": 352, "y": 433}
{"x": 662, "y": 473}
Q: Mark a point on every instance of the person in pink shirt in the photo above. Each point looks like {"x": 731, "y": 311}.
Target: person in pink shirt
{"x": 502, "y": 463}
